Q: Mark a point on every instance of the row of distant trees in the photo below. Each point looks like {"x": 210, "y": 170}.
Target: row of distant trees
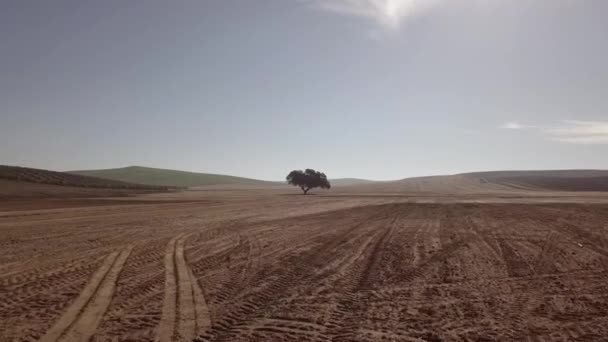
{"x": 308, "y": 179}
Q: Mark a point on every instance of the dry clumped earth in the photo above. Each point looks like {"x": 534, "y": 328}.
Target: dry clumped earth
{"x": 269, "y": 266}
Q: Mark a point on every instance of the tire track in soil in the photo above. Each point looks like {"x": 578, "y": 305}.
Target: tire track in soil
{"x": 43, "y": 300}
{"x": 356, "y": 294}
{"x": 184, "y": 307}
{"x": 366, "y": 278}
{"x": 370, "y": 276}
{"x": 302, "y": 267}
{"x": 544, "y": 262}
{"x": 524, "y": 299}
{"x": 337, "y": 273}
{"x": 82, "y": 317}
{"x": 136, "y": 308}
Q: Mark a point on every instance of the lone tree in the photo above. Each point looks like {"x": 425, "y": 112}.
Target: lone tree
{"x": 308, "y": 179}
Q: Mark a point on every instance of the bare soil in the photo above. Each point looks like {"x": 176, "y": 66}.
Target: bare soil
{"x": 266, "y": 266}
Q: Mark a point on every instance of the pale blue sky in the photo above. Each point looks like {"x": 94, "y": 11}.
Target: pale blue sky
{"x": 379, "y": 89}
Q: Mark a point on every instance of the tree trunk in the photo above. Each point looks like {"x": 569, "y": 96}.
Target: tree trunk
{"x": 305, "y": 190}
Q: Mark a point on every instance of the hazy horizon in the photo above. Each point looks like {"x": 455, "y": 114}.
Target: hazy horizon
{"x": 331, "y": 178}
{"x": 348, "y": 177}
{"x": 369, "y": 89}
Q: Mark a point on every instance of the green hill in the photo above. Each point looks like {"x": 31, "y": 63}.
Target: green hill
{"x": 148, "y": 175}
{"x": 31, "y": 175}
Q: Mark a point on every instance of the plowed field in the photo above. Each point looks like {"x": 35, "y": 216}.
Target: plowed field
{"x": 306, "y": 269}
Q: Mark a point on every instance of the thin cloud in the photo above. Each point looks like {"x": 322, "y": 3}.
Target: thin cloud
{"x": 513, "y": 125}
{"x": 569, "y": 131}
{"x": 580, "y": 132}
{"x": 590, "y": 140}
{"x": 388, "y": 13}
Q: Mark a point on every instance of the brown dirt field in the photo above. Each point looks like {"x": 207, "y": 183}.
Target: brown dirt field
{"x": 266, "y": 266}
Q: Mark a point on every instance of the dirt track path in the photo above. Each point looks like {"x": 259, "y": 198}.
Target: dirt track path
{"x": 84, "y": 315}
{"x": 184, "y": 310}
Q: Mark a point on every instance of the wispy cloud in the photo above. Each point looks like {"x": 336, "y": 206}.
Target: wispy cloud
{"x": 569, "y": 131}
{"x": 388, "y": 13}
{"x": 580, "y": 132}
{"x": 513, "y": 125}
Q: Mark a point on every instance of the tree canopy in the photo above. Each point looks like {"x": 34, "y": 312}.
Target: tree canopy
{"x": 308, "y": 179}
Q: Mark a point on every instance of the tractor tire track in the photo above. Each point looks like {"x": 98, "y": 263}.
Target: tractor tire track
{"x": 82, "y": 317}
{"x": 184, "y": 308}
{"x": 301, "y": 272}
{"x": 344, "y": 323}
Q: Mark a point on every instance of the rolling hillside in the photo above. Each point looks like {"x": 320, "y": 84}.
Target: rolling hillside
{"x": 17, "y": 180}
{"x": 147, "y": 175}
{"x": 349, "y": 182}
{"x": 556, "y": 180}
{"x": 495, "y": 181}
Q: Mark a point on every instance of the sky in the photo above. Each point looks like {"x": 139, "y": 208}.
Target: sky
{"x": 376, "y": 89}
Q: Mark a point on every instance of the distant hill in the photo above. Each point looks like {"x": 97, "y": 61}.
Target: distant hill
{"x": 556, "y": 180}
{"x": 495, "y": 181}
{"x": 148, "y": 175}
{"x": 39, "y": 176}
{"x": 349, "y": 181}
